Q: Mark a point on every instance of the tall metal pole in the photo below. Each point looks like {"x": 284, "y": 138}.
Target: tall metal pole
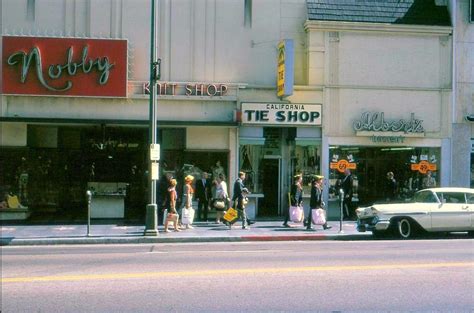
{"x": 151, "y": 209}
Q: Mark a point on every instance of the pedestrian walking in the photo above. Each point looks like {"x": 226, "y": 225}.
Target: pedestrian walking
{"x": 316, "y": 200}
{"x": 296, "y": 196}
{"x": 238, "y": 198}
{"x": 221, "y": 198}
{"x": 172, "y": 215}
{"x": 187, "y": 198}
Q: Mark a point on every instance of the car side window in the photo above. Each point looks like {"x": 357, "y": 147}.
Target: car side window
{"x": 454, "y": 197}
{"x": 470, "y": 198}
{"x": 425, "y": 197}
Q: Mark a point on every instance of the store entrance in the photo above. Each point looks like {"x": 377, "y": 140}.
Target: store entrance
{"x": 268, "y": 206}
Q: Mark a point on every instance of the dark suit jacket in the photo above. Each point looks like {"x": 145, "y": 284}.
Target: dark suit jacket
{"x": 203, "y": 191}
{"x": 316, "y": 199}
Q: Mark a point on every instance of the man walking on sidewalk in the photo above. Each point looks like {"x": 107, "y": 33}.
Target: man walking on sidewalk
{"x": 238, "y": 197}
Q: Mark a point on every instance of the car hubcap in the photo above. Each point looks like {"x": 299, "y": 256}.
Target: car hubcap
{"x": 404, "y": 228}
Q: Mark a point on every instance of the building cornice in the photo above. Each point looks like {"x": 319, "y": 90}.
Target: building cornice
{"x": 337, "y": 26}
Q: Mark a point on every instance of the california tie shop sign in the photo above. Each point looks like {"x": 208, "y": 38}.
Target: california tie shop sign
{"x": 64, "y": 66}
{"x": 281, "y": 114}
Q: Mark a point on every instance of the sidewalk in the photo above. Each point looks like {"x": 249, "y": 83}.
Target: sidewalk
{"x": 202, "y": 232}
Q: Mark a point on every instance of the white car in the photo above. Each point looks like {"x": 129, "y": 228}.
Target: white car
{"x": 433, "y": 210}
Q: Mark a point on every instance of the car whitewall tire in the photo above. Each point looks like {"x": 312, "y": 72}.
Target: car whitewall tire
{"x": 405, "y": 228}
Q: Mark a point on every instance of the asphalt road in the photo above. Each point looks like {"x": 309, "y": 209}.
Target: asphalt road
{"x": 328, "y": 276}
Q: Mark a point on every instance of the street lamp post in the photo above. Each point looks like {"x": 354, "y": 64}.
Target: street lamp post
{"x": 151, "y": 225}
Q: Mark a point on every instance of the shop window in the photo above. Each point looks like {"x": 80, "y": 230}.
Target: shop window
{"x": 413, "y": 169}
{"x": 306, "y": 161}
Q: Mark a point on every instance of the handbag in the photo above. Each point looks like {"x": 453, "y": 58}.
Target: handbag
{"x": 296, "y": 214}
{"x": 188, "y": 216}
{"x": 219, "y": 204}
{"x": 318, "y": 216}
{"x": 231, "y": 215}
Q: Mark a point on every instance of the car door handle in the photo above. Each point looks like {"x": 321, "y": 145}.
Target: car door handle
{"x": 465, "y": 207}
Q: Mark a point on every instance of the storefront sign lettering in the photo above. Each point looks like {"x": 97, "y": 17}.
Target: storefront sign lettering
{"x": 342, "y": 165}
{"x": 285, "y": 75}
{"x": 375, "y": 121}
{"x": 190, "y": 89}
{"x": 423, "y": 167}
{"x": 55, "y": 71}
{"x": 281, "y": 114}
{"x": 389, "y": 139}
{"x": 64, "y": 66}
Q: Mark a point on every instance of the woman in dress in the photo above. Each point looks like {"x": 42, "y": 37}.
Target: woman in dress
{"x": 172, "y": 215}
{"x": 221, "y": 194}
{"x": 187, "y": 199}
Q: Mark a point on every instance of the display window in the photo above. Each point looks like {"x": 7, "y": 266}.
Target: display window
{"x": 413, "y": 168}
{"x": 270, "y": 166}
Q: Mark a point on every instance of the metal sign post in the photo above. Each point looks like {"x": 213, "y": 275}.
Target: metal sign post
{"x": 341, "y": 198}
{"x": 89, "y": 199}
{"x": 151, "y": 209}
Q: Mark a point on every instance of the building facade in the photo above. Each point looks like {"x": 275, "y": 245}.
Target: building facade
{"x": 271, "y": 88}
{"x": 462, "y": 16}
{"x": 62, "y": 132}
{"x": 386, "y": 74}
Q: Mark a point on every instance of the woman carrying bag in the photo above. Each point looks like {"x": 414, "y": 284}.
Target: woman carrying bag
{"x": 221, "y": 199}
{"x": 187, "y": 211}
{"x": 316, "y": 202}
{"x": 172, "y": 215}
{"x": 296, "y": 197}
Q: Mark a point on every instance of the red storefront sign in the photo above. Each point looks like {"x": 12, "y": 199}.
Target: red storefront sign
{"x": 64, "y": 66}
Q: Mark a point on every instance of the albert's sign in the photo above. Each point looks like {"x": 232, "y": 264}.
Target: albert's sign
{"x": 64, "y": 66}
{"x": 281, "y": 114}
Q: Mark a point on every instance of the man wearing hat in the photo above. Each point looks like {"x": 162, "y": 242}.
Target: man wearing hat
{"x": 296, "y": 196}
{"x": 316, "y": 200}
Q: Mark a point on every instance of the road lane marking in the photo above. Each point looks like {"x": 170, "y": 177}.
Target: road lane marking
{"x": 113, "y": 276}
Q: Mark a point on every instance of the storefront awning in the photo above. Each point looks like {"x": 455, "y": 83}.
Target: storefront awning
{"x": 252, "y": 141}
{"x": 307, "y": 141}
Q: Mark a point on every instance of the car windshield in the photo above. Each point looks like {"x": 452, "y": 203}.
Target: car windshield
{"x": 425, "y": 196}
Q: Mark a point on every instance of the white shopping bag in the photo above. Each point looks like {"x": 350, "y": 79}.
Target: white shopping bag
{"x": 296, "y": 214}
{"x": 188, "y": 216}
{"x": 165, "y": 214}
{"x": 318, "y": 216}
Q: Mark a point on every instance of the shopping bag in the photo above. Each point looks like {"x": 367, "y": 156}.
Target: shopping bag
{"x": 165, "y": 215}
{"x": 318, "y": 216}
{"x": 188, "y": 216}
{"x": 296, "y": 214}
{"x": 231, "y": 215}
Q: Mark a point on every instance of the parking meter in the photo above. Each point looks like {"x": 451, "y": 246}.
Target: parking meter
{"x": 341, "y": 199}
{"x": 89, "y": 199}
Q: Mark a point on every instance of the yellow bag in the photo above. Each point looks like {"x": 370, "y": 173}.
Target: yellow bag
{"x": 13, "y": 202}
{"x": 231, "y": 215}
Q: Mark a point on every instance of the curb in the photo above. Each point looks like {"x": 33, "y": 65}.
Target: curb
{"x": 146, "y": 240}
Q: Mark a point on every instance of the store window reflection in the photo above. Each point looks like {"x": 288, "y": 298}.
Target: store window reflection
{"x": 413, "y": 168}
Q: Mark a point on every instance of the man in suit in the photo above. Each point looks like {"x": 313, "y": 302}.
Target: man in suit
{"x": 347, "y": 186}
{"x": 238, "y": 197}
{"x": 203, "y": 195}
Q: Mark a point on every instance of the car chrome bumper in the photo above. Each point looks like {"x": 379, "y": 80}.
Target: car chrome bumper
{"x": 372, "y": 224}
